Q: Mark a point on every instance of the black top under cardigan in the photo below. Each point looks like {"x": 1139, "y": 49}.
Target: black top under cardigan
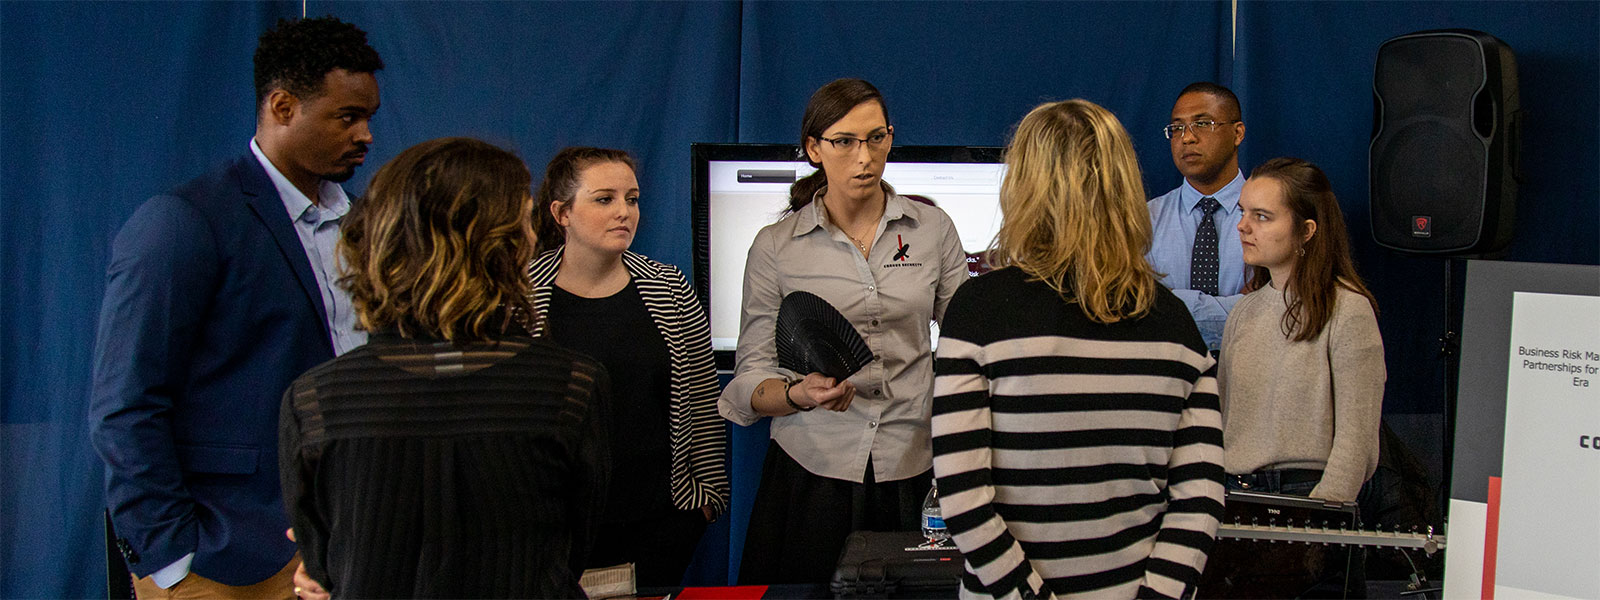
{"x": 698, "y": 434}
{"x": 617, "y": 331}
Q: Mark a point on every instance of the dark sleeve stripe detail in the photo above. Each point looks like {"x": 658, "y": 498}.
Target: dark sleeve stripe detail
{"x": 1077, "y": 512}
{"x": 950, "y": 403}
{"x": 1091, "y": 547}
{"x": 972, "y": 584}
{"x": 988, "y": 553}
{"x": 952, "y": 443}
{"x": 1199, "y": 505}
{"x": 1090, "y": 438}
{"x": 1017, "y": 579}
{"x": 1049, "y": 403}
{"x": 1205, "y": 401}
{"x": 966, "y": 521}
{"x": 1197, "y": 435}
{"x": 1194, "y": 471}
{"x": 1079, "y": 475}
{"x": 952, "y": 483}
{"x": 1050, "y": 365}
{"x": 956, "y": 366}
{"x": 1184, "y": 537}
{"x": 1180, "y": 572}
{"x": 1095, "y": 581}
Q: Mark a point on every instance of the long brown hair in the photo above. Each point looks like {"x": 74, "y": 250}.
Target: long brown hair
{"x": 1326, "y": 265}
{"x": 561, "y": 185}
{"x": 438, "y": 246}
{"x": 830, "y": 103}
{"x": 1073, "y": 210}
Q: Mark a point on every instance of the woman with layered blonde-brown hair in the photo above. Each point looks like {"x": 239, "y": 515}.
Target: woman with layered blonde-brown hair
{"x": 1076, "y": 433}
{"x": 452, "y": 455}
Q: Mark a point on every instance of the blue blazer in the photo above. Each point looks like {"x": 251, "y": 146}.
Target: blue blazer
{"x": 211, "y": 310}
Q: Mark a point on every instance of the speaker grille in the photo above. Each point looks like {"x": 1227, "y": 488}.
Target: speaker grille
{"x": 1431, "y": 167}
{"x": 1430, "y": 76}
{"x": 1431, "y": 153}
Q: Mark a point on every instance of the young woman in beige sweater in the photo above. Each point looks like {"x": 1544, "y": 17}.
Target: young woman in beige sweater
{"x": 1302, "y": 368}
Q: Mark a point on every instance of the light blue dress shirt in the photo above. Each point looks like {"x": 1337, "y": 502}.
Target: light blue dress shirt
{"x": 318, "y": 228}
{"x": 1174, "y": 218}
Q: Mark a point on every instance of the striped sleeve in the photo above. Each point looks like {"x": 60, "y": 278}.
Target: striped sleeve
{"x": 1074, "y": 458}
{"x": 962, "y": 452}
{"x": 695, "y": 386}
{"x": 1194, "y": 494}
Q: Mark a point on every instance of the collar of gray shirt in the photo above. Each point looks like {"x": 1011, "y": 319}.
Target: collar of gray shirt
{"x": 814, "y": 216}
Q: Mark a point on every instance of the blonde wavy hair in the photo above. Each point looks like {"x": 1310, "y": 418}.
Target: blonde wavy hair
{"x": 438, "y": 245}
{"x": 1073, "y": 210}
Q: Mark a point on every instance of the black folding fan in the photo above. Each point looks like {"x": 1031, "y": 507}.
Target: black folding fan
{"x": 814, "y": 338}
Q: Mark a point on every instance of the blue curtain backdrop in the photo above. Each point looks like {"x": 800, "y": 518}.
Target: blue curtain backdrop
{"x": 105, "y": 104}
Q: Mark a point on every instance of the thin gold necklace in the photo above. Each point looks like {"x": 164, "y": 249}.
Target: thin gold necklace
{"x": 859, "y": 243}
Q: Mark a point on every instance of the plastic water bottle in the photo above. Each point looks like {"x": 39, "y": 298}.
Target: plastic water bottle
{"x": 933, "y": 519}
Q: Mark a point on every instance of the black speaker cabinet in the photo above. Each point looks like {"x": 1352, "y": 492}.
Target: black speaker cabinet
{"x": 1446, "y": 134}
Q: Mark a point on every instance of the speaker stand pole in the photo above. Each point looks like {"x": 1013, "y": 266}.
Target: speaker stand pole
{"x": 1449, "y": 349}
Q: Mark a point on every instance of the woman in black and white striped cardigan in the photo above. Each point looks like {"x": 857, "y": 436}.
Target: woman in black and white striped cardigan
{"x": 641, "y": 319}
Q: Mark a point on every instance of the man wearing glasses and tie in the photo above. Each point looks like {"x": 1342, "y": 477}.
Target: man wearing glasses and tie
{"x": 1196, "y": 243}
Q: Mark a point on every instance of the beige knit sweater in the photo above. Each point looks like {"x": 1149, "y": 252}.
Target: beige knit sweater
{"x": 1302, "y": 405}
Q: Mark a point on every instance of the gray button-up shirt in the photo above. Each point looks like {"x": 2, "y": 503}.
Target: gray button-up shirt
{"x": 891, "y": 297}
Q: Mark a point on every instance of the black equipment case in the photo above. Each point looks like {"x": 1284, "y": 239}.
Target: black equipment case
{"x": 894, "y": 564}
{"x": 1246, "y": 568}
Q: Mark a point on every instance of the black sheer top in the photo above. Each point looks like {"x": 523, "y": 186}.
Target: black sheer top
{"x": 419, "y": 468}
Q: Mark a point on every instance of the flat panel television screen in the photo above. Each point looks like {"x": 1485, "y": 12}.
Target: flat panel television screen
{"x": 740, "y": 188}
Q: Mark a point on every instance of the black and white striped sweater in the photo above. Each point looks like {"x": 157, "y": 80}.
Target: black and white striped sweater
{"x": 698, "y": 436}
{"x": 1074, "y": 458}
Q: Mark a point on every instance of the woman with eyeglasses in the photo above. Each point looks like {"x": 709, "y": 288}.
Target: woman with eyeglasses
{"x": 452, "y": 456}
{"x": 888, "y": 265}
{"x": 643, "y": 322}
{"x": 1302, "y": 361}
{"x": 1076, "y": 431}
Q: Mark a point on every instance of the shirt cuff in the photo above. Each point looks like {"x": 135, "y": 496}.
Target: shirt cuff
{"x": 171, "y": 574}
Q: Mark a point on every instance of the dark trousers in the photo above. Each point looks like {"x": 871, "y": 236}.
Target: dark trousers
{"x": 800, "y": 520}
{"x": 660, "y": 546}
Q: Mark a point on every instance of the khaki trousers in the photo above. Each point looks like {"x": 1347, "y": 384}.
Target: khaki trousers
{"x": 276, "y": 587}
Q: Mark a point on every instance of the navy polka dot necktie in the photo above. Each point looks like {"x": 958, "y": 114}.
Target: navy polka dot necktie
{"x": 1203, "y": 262}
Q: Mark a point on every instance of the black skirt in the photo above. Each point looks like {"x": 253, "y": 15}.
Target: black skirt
{"x": 800, "y": 519}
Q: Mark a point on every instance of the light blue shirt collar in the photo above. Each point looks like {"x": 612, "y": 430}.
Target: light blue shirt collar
{"x": 1228, "y": 196}
{"x": 334, "y": 201}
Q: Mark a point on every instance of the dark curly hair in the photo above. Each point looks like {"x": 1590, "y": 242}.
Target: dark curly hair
{"x": 296, "y": 54}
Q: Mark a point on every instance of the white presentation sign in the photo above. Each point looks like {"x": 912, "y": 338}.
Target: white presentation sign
{"x": 1549, "y": 513}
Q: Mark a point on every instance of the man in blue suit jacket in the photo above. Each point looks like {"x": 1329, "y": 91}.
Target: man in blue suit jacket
{"x": 218, "y": 295}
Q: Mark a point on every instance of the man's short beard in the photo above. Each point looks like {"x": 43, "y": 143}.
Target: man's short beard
{"x": 340, "y": 176}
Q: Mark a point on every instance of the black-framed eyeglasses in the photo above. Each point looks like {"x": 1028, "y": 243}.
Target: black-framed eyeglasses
{"x": 875, "y": 139}
{"x": 1198, "y": 127}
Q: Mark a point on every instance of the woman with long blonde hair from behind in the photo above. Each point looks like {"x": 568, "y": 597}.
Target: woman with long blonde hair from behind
{"x": 1076, "y": 432}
